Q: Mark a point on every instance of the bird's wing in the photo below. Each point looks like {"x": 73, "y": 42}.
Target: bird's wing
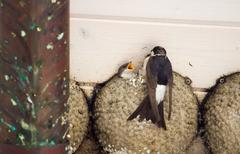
{"x": 152, "y": 84}
{"x": 169, "y": 74}
{"x": 138, "y": 111}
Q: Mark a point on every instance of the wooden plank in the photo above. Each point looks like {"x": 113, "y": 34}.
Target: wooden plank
{"x": 201, "y": 52}
{"x": 88, "y": 90}
{"x": 214, "y": 10}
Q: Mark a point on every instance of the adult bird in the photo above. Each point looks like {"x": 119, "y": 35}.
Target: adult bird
{"x": 159, "y": 74}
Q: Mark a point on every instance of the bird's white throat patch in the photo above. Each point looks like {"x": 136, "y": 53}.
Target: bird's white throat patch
{"x": 127, "y": 74}
{"x": 160, "y": 92}
{"x": 144, "y": 69}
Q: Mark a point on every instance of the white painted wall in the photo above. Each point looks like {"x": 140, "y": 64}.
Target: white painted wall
{"x": 211, "y": 10}
{"x": 107, "y": 33}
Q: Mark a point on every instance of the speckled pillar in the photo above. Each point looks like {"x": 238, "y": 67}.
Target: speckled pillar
{"x": 34, "y": 75}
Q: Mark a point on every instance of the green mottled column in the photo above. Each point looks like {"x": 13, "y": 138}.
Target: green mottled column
{"x": 34, "y": 71}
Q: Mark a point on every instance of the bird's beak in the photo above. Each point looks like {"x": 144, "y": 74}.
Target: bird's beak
{"x": 148, "y": 55}
{"x": 130, "y": 67}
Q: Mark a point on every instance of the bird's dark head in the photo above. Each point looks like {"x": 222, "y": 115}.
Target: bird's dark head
{"x": 158, "y": 51}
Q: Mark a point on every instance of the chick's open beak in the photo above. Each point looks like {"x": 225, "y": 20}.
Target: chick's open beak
{"x": 130, "y": 67}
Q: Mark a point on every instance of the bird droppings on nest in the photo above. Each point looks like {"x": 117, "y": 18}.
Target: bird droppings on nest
{"x": 120, "y": 97}
{"x": 78, "y": 117}
{"x": 222, "y": 116}
{"x": 136, "y": 80}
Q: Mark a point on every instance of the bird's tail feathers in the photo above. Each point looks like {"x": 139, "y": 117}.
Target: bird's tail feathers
{"x": 143, "y": 111}
{"x": 161, "y": 122}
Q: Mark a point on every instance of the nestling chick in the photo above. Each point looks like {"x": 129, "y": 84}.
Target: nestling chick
{"x": 126, "y": 71}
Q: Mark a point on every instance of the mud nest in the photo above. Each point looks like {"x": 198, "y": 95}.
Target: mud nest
{"x": 197, "y": 147}
{"x": 222, "y": 116}
{"x": 120, "y": 97}
{"x": 90, "y": 144}
{"x": 78, "y": 116}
